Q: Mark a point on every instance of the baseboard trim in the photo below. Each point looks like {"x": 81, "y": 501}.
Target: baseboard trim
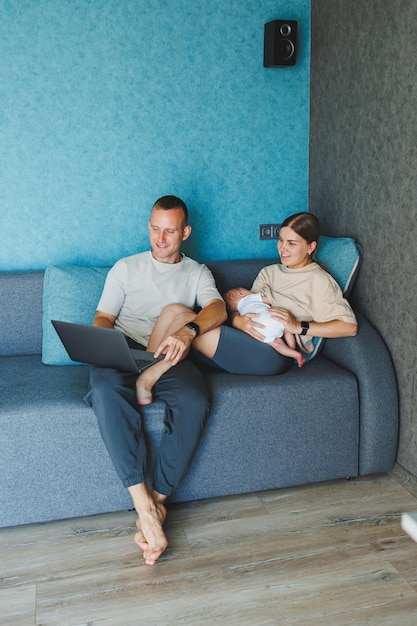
{"x": 405, "y": 478}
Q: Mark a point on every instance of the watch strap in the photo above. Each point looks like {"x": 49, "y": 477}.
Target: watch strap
{"x": 195, "y": 327}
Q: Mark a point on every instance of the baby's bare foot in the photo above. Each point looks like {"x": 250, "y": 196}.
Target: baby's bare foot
{"x": 300, "y": 360}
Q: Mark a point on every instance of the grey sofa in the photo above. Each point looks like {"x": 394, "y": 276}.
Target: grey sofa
{"x": 336, "y": 417}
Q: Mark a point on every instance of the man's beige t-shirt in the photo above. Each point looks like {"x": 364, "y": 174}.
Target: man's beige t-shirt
{"x": 138, "y": 287}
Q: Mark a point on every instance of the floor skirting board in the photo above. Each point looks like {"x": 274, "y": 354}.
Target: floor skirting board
{"x": 405, "y": 478}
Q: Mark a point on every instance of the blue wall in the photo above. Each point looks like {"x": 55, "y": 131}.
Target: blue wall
{"x": 107, "y": 104}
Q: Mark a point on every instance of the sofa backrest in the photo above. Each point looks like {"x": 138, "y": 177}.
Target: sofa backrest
{"x": 21, "y": 302}
{"x": 21, "y": 312}
{"x": 22, "y": 297}
{"x": 240, "y": 273}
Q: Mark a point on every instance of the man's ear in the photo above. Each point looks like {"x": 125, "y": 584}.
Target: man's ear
{"x": 186, "y": 233}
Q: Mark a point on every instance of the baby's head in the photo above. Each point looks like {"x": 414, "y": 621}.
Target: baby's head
{"x": 233, "y": 296}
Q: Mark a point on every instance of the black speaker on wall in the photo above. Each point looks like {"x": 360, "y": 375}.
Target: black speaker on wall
{"x": 280, "y": 43}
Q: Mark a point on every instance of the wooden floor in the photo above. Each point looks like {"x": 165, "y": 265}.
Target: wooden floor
{"x": 326, "y": 554}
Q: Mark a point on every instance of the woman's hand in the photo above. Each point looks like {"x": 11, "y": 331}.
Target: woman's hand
{"x": 248, "y": 324}
{"x": 286, "y": 318}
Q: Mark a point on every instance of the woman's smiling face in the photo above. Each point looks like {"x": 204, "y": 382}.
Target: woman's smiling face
{"x": 293, "y": 250}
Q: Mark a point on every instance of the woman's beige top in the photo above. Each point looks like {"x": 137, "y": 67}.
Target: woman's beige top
{"x": 309, "y": 293}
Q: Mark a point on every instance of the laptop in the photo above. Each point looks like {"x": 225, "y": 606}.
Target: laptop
{"x": 104, "y": 347}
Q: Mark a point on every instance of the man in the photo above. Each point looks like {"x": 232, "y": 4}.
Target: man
{"x": 137, "y": 289}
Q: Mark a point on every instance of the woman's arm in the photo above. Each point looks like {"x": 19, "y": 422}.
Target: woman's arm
{"x": 332, "y": 329}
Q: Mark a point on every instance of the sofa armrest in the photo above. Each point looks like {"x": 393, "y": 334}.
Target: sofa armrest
{"x": 367, "y": 357}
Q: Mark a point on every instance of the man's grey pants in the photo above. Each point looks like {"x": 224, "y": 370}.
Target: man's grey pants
{"x": 112, "y": 396}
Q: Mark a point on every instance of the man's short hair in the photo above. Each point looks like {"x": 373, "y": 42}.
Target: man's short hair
{"x": 172, "y": 202}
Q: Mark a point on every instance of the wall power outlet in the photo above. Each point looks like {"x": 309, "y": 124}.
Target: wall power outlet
{"x": 269, "y": 231}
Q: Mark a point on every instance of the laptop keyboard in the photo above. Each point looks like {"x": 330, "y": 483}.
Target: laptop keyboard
{"x": 142, "y": 363}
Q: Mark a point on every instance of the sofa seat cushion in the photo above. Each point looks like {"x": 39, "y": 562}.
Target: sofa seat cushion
{"x": 268, "y": 425}
{"x": 59, "y": 460}
{"x": 64, "y": 463}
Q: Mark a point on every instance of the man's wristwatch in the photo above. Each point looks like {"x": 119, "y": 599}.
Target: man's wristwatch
{"x": 195, "y": 327}
{"x": 304, "y": 327}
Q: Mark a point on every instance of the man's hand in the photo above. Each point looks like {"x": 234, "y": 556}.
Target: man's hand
{"x": 175, "y": 347}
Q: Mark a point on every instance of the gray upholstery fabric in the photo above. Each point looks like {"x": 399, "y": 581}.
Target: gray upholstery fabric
{"x": 275, "y": 431}
{"x": 21, "y": 312}
{"x": 53, "y": 463}
{"x": 239, "y": 273}
{"x": 336, "y": 417}
{"x": 367, "y": 357}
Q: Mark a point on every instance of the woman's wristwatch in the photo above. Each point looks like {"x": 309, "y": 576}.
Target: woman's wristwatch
{"x": 304, "y": 328}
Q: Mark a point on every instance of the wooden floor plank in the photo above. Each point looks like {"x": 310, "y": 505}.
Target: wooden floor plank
{"x": 236, "y": 572}
{"x": 326, "y": 554}
{"x": 407, "y": 567}
{"x": 71, "y": 555}
{"x": 296, "y": 596}
{"x": 18, "y": 605}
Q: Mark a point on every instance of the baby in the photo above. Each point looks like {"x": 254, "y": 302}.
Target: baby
{"x": 244, "y": 301}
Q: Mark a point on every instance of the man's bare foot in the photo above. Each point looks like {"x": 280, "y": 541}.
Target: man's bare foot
{"x": 144, "y": 389}
{"x": 140, "y": 537}
{"x": 150, "y": 536}
{"x": 151, "y": 511}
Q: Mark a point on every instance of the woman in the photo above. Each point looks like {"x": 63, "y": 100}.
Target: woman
{"x": 304, "y": 297}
